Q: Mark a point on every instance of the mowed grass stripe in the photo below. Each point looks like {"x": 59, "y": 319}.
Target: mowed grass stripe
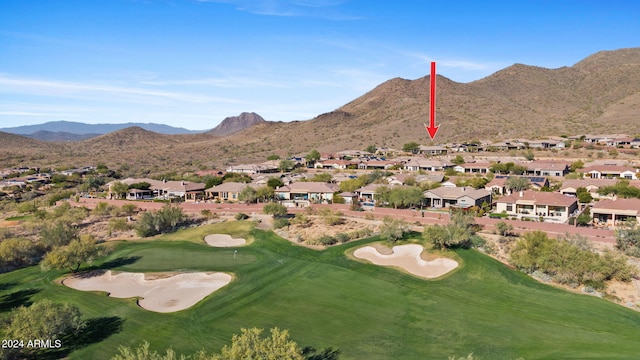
{"x": 369, "y": 312}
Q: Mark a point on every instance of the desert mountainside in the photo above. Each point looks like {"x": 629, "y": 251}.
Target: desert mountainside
{"x": 600, "y": 94}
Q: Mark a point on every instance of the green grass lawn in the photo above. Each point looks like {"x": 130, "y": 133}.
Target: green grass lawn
{"x": 327, "y": 299}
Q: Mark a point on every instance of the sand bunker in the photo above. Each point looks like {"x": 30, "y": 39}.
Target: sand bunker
{"x": 408, "y": 258}
{"x": 223, "y": 240}
{"x": 166, "y": 294}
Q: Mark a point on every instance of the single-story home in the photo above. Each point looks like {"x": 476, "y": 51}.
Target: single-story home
{"x": 462, "y": 197}
{"x": 228, "y": 191}
{"x": 307, "y": 192}
{"x": 610, "y": 171}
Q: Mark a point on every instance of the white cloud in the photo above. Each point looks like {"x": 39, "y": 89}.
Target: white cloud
{"x": 114, "y": 93}
{"x": 325, "y": 9}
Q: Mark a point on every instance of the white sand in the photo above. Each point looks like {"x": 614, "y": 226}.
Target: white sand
{"x": 224, "y": 240}
{"x": 167, "y": 294}
{"x": 408, "y": 258}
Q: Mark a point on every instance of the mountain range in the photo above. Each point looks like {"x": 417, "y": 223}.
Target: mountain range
{"x": 600, "y": 94}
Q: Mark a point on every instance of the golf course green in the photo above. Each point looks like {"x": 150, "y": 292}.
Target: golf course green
{"x": 329, "y": 299}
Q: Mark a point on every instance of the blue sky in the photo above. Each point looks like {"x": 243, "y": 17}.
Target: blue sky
{"x": 191, "y": 63}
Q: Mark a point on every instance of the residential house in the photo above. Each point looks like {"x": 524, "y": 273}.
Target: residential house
{"x": 611, "y": 213}
{"x": 610, "y": 171}
{"x": 473, "y": 168}
{"x": 498, "y": 184}
{"x": 228, "y": 192}
{"x": 367, "y": 193}
{"x": 505, "y": 146}
{"x": 252, "y": 168}
{"x": 461, "y": 197}
{"x": 432, "y": 150}
{"x": 546, "y": 168}
{"x": 417, "y": 164}
{"x": 378, "y": 164}
{"x": 162, "y": 189}
{"x": 592, "y": 185}
{"x": 536, "y": 205}
{"x": 546, "y": 144}
{"x": 350, "y": 154}
{"x": 305, "y": 193}
{"x": 139, "y": 194}
{"x": 336, "y": 164}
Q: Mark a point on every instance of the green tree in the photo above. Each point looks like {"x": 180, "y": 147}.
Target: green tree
{"x": 274, "y": 183}
{"x": 119, "y": 189}
{"x": 248, "y": 195}
{"x": 43, "y": 320}
{"x": 322, "y": 177}
{"x": 584, "y": 218}
{"x": 411, "y": 147}
{"x": 73, "y": 255}
{"x": 504, "y": 229}
{"x": 265, "y": 192}
{"x": 275, "y": 209}
{"x": 286, "y": 165}
{"x": 249, "y": 344}
{"x": 458, "y": 160}
{"x": 457, "y": 234}
{"x": 371, "y": 148}
{"x": 528, "y": 155}
{"x": 312, "y": 157}
{"x": 143, "y": 352}
{"x": 576, "y": 165}
{"x": 352, "y": 185}
{"x": 19, "y": 252}
{"x": 273, "y": 157}
{"x": 516, "y": 183}
{"x": 393, "y": 230}
{"x": 58, "y": 234}
{"x": 628, "y": 238}
{"x": 584, "y": 196}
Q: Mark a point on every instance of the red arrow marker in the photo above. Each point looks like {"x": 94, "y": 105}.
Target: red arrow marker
{"x": 432, "y": 129}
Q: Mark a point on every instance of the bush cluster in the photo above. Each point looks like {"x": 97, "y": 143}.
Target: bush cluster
{"x": 569, "y": 261}
{"x": 165, "y": 220}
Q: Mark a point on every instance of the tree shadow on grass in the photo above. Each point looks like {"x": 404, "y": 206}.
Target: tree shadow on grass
{"x": 7, "y": 285}
{"x": 95, "y": 331}
{"x": 122, "y": 261}
{"x": 15, "y": 299}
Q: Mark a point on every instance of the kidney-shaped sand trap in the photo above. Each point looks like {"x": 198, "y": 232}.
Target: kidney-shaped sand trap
{"x": 408, "y": 258}
{"x": 224, "y": 240}
{"x": 166, "y": 294}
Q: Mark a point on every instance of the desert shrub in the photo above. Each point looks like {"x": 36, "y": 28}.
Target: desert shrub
{"x": 102, "y": 209}
{"x": 369, "y": 216}
{"x": 326, "y": 240}
{"x": 280, "y": 223}
{"x": 393, "y": 230}
{"x": 241, "y": 216}
{"x": 165, "y": 220}
{"x": 275, "y": 209}
{"x": 343, "y": 238}
{"x": 301, "y": 220}
{"x": 26, "y": 207}
{"x": 355, "y": 207}
{"x": 119, "y": 224}
{"x": 18, "y": 252}
{"x": 569, "y": 261}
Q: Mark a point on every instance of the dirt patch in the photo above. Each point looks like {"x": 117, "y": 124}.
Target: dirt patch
{"x": 161, "y": 292}
{"x": 308, "y": 234}
{"x": 407, "y": 257}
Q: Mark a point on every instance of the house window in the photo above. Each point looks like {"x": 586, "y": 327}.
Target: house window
{"x": 509, "y": 208}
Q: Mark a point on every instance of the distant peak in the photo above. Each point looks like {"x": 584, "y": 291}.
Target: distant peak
{"x": 234, "y": 124}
